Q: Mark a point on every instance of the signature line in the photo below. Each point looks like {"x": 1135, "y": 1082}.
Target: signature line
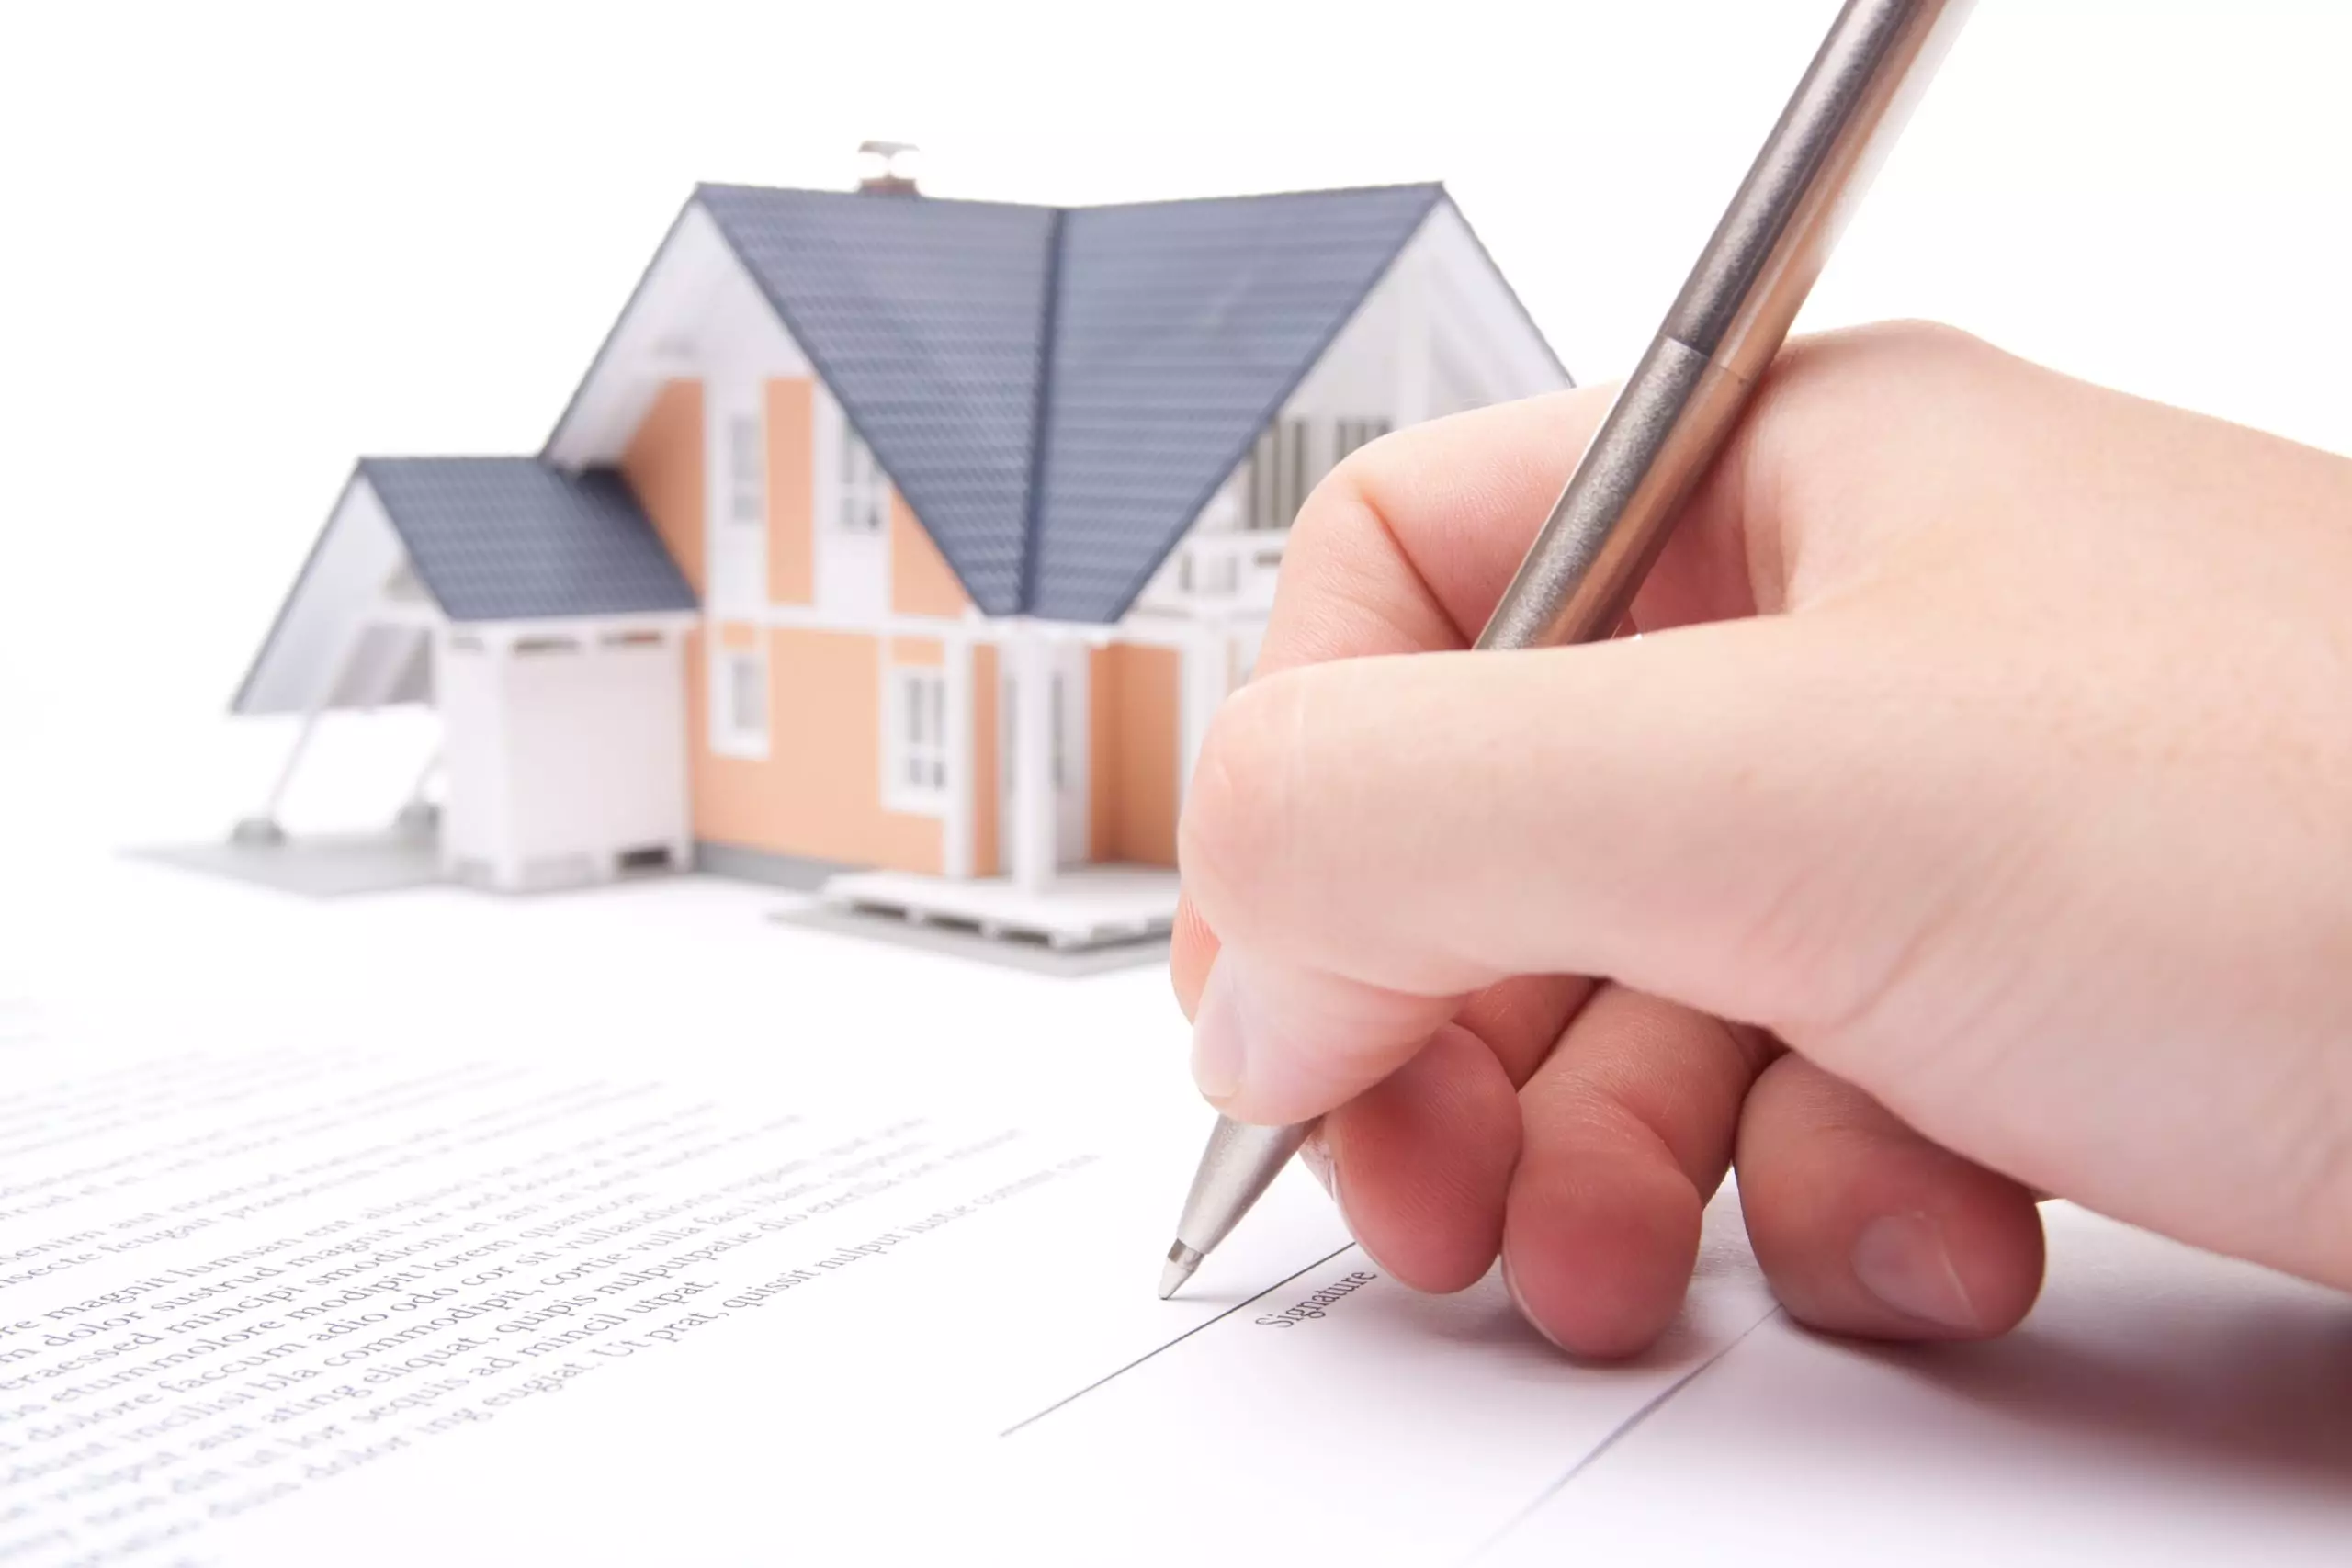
{"x": 1148, "y": 1355}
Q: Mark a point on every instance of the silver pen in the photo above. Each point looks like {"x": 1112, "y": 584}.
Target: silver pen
{"x": 1669, "y": 421}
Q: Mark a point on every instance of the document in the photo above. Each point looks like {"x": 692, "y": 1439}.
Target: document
{"x": 447, "y": 1231}
{"x": 311, "y": 1302}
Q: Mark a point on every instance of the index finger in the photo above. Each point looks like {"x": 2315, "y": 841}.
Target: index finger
{"x": 1407, "y": 545}
{"x": 1404, "y": 549}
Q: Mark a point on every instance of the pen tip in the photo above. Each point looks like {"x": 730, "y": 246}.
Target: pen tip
{"x": 1182, "y": 1261}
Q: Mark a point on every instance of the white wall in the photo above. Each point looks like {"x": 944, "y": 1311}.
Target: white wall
{"x": 565, "y": 749}
{"x": 597, "y": 751}
{"x": 476, "y": 808}
{"x": 1358, "y": 375}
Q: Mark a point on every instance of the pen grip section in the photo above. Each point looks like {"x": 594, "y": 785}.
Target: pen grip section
{"x": 1579, "y": 577}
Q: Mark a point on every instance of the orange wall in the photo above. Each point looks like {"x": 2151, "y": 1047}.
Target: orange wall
{"x": 984, "y": 761}
{"x": 818, "y": 790}
{"x": 924, "y": 650}
{"x": 792, "y": 491}
{"x": 1134, "y": 712}
{"x": 921, "y": 582}
{"x": 665, "y": 466}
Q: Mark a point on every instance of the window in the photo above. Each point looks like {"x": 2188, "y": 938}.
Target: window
{"x": 746, "y": 476}
{"x": 740, "y": 707}
{"x": 1355, "y": 432}
{"x": 1290, "y": 460}
{"x": 1278, "y": 472}
{"x": 914, "y": 758}
{"x": 865, "y": 490}
{"x": 1216, "y": 577}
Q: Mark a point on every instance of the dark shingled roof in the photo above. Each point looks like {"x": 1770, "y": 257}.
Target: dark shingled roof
{"x": 1057, "y": 392}
{"x": 926, "y": 320}
{"x": 514, "y": 538}
{"x": 1180, "y": 329}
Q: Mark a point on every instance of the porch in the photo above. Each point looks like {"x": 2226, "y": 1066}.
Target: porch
{"x": 1081, "y": 909}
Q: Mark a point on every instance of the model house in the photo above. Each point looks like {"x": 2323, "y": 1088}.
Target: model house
{"x": 907, "y": 540}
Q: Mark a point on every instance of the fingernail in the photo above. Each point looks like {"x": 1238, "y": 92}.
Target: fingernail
{"x": 1220, "y": 1034}
{"x": 1316, "y": 1156}
{"x": 1339, "y": 1200}
{"x": 1901, "y": 1259}
{"x": 1510, "y": 1289}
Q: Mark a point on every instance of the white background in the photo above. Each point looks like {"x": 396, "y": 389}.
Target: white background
{"x": 245, "y": 243}
{"x": 239, "y": 246}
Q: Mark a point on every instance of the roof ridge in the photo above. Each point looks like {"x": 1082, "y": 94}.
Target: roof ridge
{"x": 702, "y": 186}
{"x": 1436, "y": 186}
{"x": 1062, "y": 209}
{"x": 1041, "y": 416}
{"x": 531, "y": 458}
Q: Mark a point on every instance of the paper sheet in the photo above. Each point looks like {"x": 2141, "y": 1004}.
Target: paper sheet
{"x": 2162, "y": 1408}
{"x": 255, "y": 1302}
{"x": 877, "y": 1287}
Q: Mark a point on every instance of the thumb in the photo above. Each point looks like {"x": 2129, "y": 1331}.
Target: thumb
{"x": 1746, "y": 818}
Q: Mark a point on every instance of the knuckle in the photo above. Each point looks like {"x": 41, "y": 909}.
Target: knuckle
{"x": 1884, "y": 356}
{"x": 1853, "y": 410}
{"x": 1339, "y": 507}
{"x": 1916, "y": 335}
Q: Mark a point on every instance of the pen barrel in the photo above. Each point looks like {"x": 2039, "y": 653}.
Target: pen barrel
{"x": 1579, "y": 577}
{"x": 1579, "y": 580}
{"x": 1239, "y": 1164}
{"x": 1613, "y": 517}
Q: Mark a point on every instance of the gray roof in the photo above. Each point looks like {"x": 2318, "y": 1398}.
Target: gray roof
{"x": 514, "y": 538}
{"x": 1180, "y": 330}
{"x": 1057, "y": 392}
{"x": 926, "y": 320}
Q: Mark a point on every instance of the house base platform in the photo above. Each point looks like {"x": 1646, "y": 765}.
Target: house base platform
{"x": 1085, "y": 906}
{"x": 324, "y": 865}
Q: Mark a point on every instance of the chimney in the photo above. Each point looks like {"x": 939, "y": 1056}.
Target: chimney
{"x": 886, "y": 168}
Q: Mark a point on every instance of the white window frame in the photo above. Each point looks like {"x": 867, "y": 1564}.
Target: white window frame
{"x": 747, "y": 462}
{"x": 1217, "y": 576}
{"x": 861, "y": 490}
{"x": 736, "y": 674}
{"x": 918, "y": 772}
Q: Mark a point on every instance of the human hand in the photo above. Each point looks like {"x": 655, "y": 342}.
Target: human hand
{"x": 1988, "y": 758}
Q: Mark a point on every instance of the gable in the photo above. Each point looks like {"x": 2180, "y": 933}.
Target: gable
{"x": 463, "y": 539}
{"x": 1056, "y": 394}
{"x": 925, "y": 319}
{"x": 1182, "y": 327}
{"x": 307, "y": 660}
